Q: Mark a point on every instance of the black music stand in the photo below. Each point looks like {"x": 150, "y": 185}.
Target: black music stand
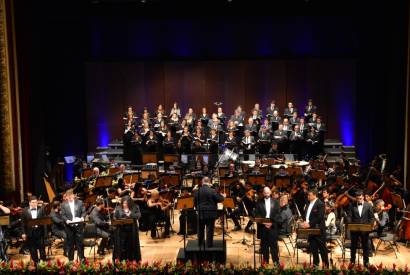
{"x": 44, "y": 221}
{"x": 184, "y": 204}
{"x": 257, "y": 220}
{"x": 117, "y": 246}
{"x": 360, "y": 227}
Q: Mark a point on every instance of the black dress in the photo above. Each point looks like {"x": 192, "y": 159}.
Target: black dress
{"x": 126, "y": 238}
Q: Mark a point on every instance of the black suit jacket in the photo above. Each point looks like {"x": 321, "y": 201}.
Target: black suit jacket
{"x": 354, "y": 217}
{"x": 26, "y": 216}
{"x": 79, "y": 210}
{"x": 274, "y": 216}
{"x": 317, "y": 216}
{"x": 205, "y": 201}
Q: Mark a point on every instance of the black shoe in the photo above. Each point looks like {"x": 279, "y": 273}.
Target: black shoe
{"x": 237, "y": 228}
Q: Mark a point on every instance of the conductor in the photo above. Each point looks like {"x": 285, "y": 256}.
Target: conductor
{"x": 205, "y": 201}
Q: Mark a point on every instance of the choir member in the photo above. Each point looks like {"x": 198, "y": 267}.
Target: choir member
{"x": 288, "y": 112}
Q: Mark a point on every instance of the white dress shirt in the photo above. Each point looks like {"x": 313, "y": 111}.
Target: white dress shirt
{"x": 310, "y": 209}
{"x": 360, "y": 208}
{"x": 34, "y": 213}
{"x": 267, "y": 207}
{"x": 71, "y": 204}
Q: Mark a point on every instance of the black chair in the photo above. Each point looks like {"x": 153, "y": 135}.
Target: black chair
{"x": 90, "y": 237}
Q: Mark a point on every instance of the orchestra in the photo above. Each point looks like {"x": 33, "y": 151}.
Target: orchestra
{"x": 307, "y": 192}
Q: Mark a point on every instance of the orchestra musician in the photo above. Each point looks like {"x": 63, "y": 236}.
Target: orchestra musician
{"x": 102, "y": 225}
{"x": 73, "y": 214}
{"x": 244, "y": 196}
{"x": 58, "y": 226}
{"x": 157, "y": 212}
{"x": 360, "y": 211}
{"x": 34, "y": 235}
{"x": 127, "y": 245}
{"x": 269, "y": 208}
{"x": 315, "y": 218}
{"x": 205, "y": 201}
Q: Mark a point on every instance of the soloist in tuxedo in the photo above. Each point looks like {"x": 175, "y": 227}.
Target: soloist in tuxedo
{"x": 34, "y": 236}
{"x": 360, "y": 212}
{"x": 71, "y": 210}
{"x": 269, "y": 208}
{"x": 315, "y": 218}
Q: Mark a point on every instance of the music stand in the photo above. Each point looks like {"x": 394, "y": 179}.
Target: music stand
{"x": 171, "y": 158}
{"x": 170, "y": 179}
{"x": 261, "y": 221}
{"x": 184, "y": 204}
{"x": 318, "y": 175}
{"x": 4, "y": 220}
{"x": 256, "y": 179}
{"x": 39, "y": 221}
{"x": 103, "y": 182}
{"x": 132, "y": 177}
{"x": 149, "y": 158}
{"x": 118, "y": 223}
{"x": 360, "y": 227}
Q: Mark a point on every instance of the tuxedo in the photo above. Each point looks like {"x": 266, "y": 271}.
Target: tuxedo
{"x": 269, "y": 236}
{"x": 75, "y": 232}
{"x": 360, "y": 214}
{"x": 315, "y": 215}
{"x": 35, "y": 234}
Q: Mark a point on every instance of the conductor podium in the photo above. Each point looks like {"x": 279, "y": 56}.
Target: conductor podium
{"x": 194, "y": 253}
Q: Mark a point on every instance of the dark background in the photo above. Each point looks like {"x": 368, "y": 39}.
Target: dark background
{"x": 64, "y": 47}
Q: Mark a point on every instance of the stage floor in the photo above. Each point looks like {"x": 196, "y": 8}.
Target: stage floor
{"x": 166, "y": 250}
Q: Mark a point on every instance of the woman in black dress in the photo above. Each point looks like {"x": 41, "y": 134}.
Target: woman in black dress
{"x": 127, "y": 244}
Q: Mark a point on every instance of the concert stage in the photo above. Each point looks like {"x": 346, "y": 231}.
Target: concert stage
{"x": 166, "y": 250}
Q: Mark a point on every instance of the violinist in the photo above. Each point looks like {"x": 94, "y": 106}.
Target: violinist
{"x": 245, "y": 200}
{"x": 381, "y": 217}
{"x": 157, "y": 212}
{"x": 330, "y": 217}
{"x": 286, "y": 216}
{"x": 58, "y": 226}
{"x": 101, "y": 221}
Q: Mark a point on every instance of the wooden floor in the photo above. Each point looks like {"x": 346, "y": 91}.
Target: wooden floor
{"x": 165, "y": 250}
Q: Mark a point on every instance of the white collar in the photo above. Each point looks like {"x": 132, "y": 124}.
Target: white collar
{"x": 313, "y": 202}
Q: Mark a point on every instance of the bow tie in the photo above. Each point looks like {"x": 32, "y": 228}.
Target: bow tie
{"x": 33, "y": 209}
{"x": 359, "y": 204}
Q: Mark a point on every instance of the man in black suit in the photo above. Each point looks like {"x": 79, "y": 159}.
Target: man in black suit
{"x": 315, "y": 218}
{"x": 73, "y": 213}
{"x": 360, "y": 211}
{"x": 205, "y": 201}
{"x": 34, "y": 236}
{"x": 270, "y": 209}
